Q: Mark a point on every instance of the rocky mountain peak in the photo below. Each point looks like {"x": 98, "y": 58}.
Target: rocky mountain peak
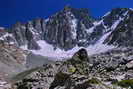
{"x": 64, "y": 30}
{"x": 2, "y": 28}
{"x": 68, "y": 24}
{"x": 115, "y": 15}
{"x": 69, "y": 28}
{"x": 67, "y": 8}
{"x": 122, "y": 35}
{"x": 110, "y": 22}
{"x": 118, "y": 11}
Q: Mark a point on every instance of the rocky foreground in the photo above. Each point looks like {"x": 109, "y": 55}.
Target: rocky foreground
{"x": 12, "y": 62}
{"x": 110, "y": 70}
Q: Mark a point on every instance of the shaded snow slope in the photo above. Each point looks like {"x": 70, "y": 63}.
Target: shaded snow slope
{"x": 99, "y": 47}
{"x": 48, "y": 50}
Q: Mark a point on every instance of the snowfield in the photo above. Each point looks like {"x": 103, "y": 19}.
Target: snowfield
{"x": 47, "y": 50}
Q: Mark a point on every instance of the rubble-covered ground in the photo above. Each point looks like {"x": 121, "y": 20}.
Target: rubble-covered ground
{"x": 12, "y": 62}
{"x": 110, "y": 70}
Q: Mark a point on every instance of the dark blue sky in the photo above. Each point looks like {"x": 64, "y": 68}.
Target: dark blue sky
{"x": 12, "y": 11}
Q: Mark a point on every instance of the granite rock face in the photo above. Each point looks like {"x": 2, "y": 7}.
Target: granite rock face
{"x": 29, "y": 33}
{"x": 72, "y": 27}
{"x": 68, "y": 28}
{"x": 122, "y": 35}
{"x": 64, "y": 30}
{"x": 110, "y": 24}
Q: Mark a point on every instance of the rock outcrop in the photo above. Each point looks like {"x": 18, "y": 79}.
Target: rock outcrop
{"x": 12, "y": 59}
{"x": 12, "y": 62}
{"x": 103, "y": 71}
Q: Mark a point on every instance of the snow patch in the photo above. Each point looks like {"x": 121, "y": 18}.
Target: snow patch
{"x": 90, "y": 30}
{"x": 48, "y": 50}
{"x": 103, "y": 38}
{"x": 24, "y": 47}
{"x": 116, "y": 23}
{"x": 119, "y": 20}
{"x": 107, "y": 14}
{"x": 131, "y": 9}
{"x": 5, "y": 36}
{"x": 74, "y": 28}
{"x": 96, "y": 23}
{"x": 1, "y": 38}
{"x": 32, "y": 31}
{"x": 47, "y": 20}
{"x": 83, "y": 40}
{"x": 2, "y": 28}
{"x": 125, "y": 13}
{"x": 99, "y": 47}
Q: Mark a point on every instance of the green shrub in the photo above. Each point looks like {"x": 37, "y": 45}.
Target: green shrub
{"x": 126, "y": 83}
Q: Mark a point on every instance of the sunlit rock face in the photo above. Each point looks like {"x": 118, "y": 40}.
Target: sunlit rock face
{"x": 122, "y": 35}
{"x": 29, "y": 33}
{"x": 72, "y": 27}
{"x": 64, "y": 30}
{"x": 68, "y": 28}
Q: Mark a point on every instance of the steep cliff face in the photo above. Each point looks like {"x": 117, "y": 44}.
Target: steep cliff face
{"x": 122, "y": 35}
{"x": 68, "y": 28}
{"x": 29, "y": 33}
{"x": 108, "y": 23}
{"x": 64, "y": 30}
